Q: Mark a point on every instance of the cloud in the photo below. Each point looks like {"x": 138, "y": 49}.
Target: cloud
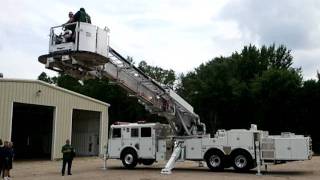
{"x": 20, "y": 64}
{"x": 309, "y": 61}
{"x": 290, "y": 22}
{"x": 293, "y": 23}
{"x": 160, "y": 31}
{"x": 175, "y": 34}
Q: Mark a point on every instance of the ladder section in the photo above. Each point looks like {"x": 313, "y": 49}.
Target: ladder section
{"x": 151, "y": 94}
{"x": 155, "y": 97}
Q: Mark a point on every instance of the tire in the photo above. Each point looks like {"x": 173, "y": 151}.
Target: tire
{"x": 129, "y": 159}
{"x": 215, "y": 160}
{"x": 242, "y": 161}
{"x": 147, "y": 162}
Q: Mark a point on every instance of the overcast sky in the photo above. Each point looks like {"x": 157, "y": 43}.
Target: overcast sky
{"x": 175, "y": 34}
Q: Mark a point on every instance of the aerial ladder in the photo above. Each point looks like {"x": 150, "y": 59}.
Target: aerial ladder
{"x": 88, "y": 55}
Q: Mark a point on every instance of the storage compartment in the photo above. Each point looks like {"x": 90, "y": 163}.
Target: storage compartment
{"x": 193, "y": 148}
{"x": 285, "y": 147}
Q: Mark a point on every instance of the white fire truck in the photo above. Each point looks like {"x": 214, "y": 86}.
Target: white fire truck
{"x": 86, "y": 54}
{"x": 147, "y": 143}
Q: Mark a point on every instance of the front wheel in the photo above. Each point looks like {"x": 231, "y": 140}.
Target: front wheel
{"x": 129, "y": 159}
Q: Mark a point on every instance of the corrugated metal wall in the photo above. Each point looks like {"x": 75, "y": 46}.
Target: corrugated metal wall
{"x": 25, "y": 91}
{"x": 85, "y": 132}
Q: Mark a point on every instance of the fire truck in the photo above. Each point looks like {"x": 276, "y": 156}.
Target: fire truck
{"x": 87, "y": 54}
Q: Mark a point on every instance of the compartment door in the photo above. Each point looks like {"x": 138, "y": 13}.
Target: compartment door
{"x": 147, "y": 149}
{"x": 283, "y": 149}
{"x": 102, "y": 42}
{"x": 87, "y": 37}
{"x": 115, "y": 143}
{"x": 193, "y": 148}
{"x": 299, "y": 149}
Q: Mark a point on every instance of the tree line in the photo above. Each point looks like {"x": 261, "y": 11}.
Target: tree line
{"x": 253, "y": 86}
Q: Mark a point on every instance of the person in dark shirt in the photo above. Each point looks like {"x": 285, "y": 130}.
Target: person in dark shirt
{"x": 69, "y": 29}
{"x": 11, "y": 156}
{"x": 68, "y": 155}
{"x": 81, "y": 16}
{"x": 7, "y": 159}
{"x": 70, "y": 15}
{"x": 1, "y": 159}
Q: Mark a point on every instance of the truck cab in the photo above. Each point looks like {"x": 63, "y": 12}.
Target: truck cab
{"x": 140, "y": 142}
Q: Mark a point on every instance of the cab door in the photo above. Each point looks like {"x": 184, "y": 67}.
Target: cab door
{"x": 114, "y": 145}
{"x": 146, "y": 143}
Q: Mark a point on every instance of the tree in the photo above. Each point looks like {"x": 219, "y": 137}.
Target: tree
{"x": 69, "y": 82}
{"x": 163, "y": 76}
{"x": 227, "y": 92}
{"x": 307, "y": 111}
{"x": 275, "y": 93}
{"x": 44, "y": 77}
{"x": 252, "y": 62}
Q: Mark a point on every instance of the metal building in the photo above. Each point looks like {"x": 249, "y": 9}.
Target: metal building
{"x": 38, "y": 117}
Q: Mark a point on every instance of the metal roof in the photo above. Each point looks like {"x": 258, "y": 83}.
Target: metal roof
{"x": 54, "y": 87}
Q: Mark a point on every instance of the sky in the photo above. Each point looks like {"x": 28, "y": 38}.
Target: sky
{"x": 172, "y": 34}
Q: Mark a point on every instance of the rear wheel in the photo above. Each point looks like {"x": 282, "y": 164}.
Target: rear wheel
{"x": 129, "y": 159}
{"x": 215, "y": 160}
{"x": 242, "y": 161}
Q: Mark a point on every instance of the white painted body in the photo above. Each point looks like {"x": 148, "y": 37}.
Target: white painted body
{"x": 146, "y": 147}
{"x": 287, "y": 147}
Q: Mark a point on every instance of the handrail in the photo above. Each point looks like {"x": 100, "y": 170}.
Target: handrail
{"x": 62, "y": 25}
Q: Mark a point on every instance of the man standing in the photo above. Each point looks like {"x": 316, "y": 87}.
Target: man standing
{"x": 81, "y": 16}
{"x": 1, "y": 159}
{"x": 11, "y": 156}
{"x": 68, "y": 155}
{"x": 7, "y": 160}
{"x": 69, "y": 32}
{"x": 70, "y": 15}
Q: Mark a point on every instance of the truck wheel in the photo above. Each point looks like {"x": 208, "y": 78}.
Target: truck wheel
{"x": 215, "y": 160}
{"x": 129, "y": 159}
{"x": 147, "y": 162}
{"x": 242, "y": 161}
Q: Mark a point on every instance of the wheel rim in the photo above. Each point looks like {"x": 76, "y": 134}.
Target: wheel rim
{"x": 240, "y": 161}
{"x": 215, "y": 161}
{"x": 128, "y": 159}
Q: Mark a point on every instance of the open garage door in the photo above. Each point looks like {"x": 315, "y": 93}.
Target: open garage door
{"x": 32, "y": 131}
{"x": 85, "y": 132}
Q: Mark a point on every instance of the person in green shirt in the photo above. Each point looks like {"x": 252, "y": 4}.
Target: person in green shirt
{"x": 81, "y": 16}
{"x": 68, "y": 155}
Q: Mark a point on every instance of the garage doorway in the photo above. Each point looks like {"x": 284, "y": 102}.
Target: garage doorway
{"x": 32, "y": 127}
{"x": 85, "y": 132}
